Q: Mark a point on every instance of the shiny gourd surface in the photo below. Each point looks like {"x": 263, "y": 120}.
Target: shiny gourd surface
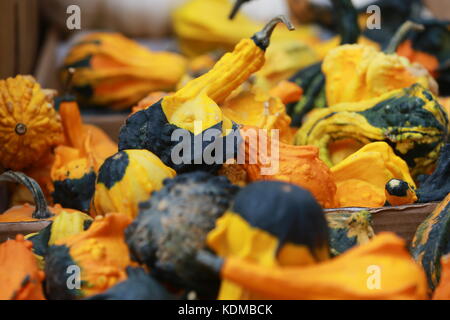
{"x": 127, "y": 178}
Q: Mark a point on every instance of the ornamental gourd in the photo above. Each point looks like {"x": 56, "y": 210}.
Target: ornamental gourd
{"x": 270, "y": 224}
{"x": 311, "y": 78}
{"x": 77, "y": 162}
{"x": 399, "y": 193}
{"x": 263, "y": 157}
{"x": 410, "y": 120}
{"x": 30, "y": 126}
{"x": 100, "y": 253}
{"x": 431, "y": 241}
{"x": 192, "y": 116}
{"x": 20, "y": 276}
{"x": 172, "y": 225}
{"x": 127, "y": 178}
{"x": 356, "y": 72}
{"x": 342, "y": 278}
{"x": 359, "y": 187}
{"x": 115, "y": 72}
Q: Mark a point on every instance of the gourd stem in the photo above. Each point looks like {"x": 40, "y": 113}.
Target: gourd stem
{"x": 41, "y": 211}
{"x": 348, "y": 26}
{"x": 401, "y": 34}
{"x": 214, "y": 263}
{"x": 262, "y": 38}
{"x": 236, "y": 7}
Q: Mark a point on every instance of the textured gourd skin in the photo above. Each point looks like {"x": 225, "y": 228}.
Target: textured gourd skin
{"x": 410, "y": 120}
{"x": 100, "y": 252}
{"x": 436, "y": 186}
{"x": 342, "y": 278}
{"x": 20, "y": 276}
{"x": 356, "y": 73}
{"x": 127, "y": 178}
{"x": 349, "y": 230}
{"x": 115, "y": 72}
{"x": 299, "y": 165}
{"x": 172, "y": 225}
{"x": 359, "y": 187}
{"x": 30, "y": 125}
{"x": 431, "y": 241}
{"x": 267, "y": 227}
{"x": 138, "y": 286}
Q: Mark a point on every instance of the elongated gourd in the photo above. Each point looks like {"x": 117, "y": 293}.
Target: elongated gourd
{"x": 193, "y": 113}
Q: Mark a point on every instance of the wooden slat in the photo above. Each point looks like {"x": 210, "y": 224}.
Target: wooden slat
{"x": 8, "y": 38}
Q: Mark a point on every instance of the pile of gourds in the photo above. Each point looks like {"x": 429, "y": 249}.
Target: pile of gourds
{"x": 363, "y": 128}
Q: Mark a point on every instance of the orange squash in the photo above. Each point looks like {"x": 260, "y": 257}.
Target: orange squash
{"x": 299, "y": 165}
{"x": 20, "y": 277}
{"x": 442, "y": 292}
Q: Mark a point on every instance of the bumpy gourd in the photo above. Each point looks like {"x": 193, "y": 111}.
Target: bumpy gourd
{"x": 30, "y": 126}
{"x": 361, "y": 178}
{"x": 431, "y": 241}
{"x": 410, "y": 120}
{"x": 115, "y": 72}
{"x": 342, "y": 278}
{"x": 192, "y": 114}
{"x": 263, "y": 157}
{"x": 173, "y": 225}
{"x": 126, "y": 179}
{"x": 270, "y": 224}
{"x": 20, "y": 276}
{"x": 100, "y": 252}
{"x": 348, "y": 230}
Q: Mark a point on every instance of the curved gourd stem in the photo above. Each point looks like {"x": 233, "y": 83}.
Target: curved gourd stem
{"x": 213, "y": 262}
{"x": 68, "y": 83}
{"x": 41, "y": 211}
{"x": 262, "y": 38}
{"x": 236, "y": 7}
{"x": 401, "y": 34}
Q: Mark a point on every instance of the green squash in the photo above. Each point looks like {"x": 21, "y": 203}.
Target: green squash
{"x": 410, "y": 120}
{"x": 432, "y": 241}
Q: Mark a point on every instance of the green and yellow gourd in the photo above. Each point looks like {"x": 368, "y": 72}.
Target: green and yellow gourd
{"x": 193, "y": 112}
{"x": 410, "y": 120}
{"x": 311, "y": 79}
{"x": 399, "y": 192}
{"x": 127, "y": 178}
{"x": 265, "y": 226}
{"x": 432, "y": 241}
{"x": 100, "y": 253}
